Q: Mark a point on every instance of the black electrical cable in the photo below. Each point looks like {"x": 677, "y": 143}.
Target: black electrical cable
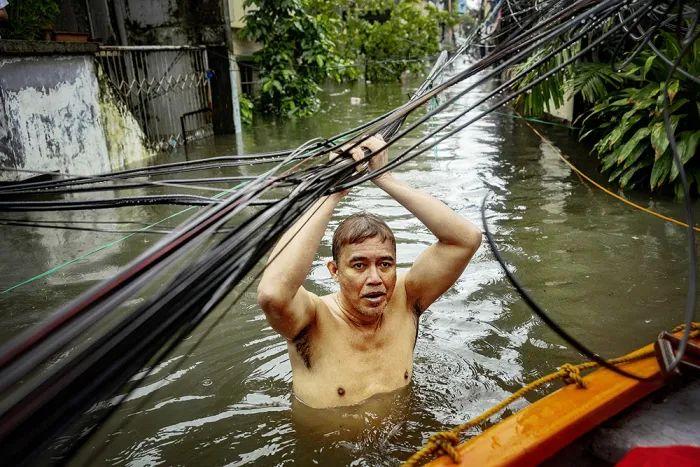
{"x": 402, "y": 157}
{"x": 690, "y": 302}
{"x": 82, "y": 229}
{"x": 125, "y": 279}
{"x": 187, "y": 200}
{"x": 544, "y": 316}
{"x": 174, "y": 344}
{"x": 497, "y": 54}
{"x": 96, "y": 357}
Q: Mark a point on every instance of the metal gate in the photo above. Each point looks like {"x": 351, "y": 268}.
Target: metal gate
{"x": 166, "y": 88}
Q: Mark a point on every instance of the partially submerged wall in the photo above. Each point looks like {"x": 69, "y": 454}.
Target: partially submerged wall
{"x": 54, "y": 117}
{"x": 49, "y": 117}
{"x": 126, "y": 142}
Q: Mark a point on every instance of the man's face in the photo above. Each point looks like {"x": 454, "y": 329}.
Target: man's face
{"x": 366, "y": 273}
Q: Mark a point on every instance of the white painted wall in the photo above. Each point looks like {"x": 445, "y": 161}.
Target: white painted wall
{"x": 50, "y": 117}
{"x": 55, "y": 116}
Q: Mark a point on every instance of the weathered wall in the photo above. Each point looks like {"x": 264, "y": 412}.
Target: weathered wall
{"x": 55, "y": 115}
{"x": 174, "y": 22}
{"x": 126, "y": 142}
{"x": 49, "y": 115}
{"x": 183, "y": 22}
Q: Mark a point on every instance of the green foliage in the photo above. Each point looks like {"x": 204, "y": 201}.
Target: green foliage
{"x": 626, "y": 120}
{"x": 402, "y": 42}
{"x": 246, "y": 106}
{"x": 594, "y": 80}
{"x": 307, "y": 41}
{"x": 389, "y": 37}
{"x": 628, "y": 123}
{"x": 550, "y": 91}
{"x": 29, "y": 18}
{"x": 297, "y": 54}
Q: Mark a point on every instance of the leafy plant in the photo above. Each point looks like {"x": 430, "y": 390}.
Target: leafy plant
{"x": 593, "y": 80}
{"x": 297, "y": 54}
{"x": 29, "y": 18}
{"x": 246, "y": 106}
{"x": 307, "y": 41}
{"x": 402, "y": 42}
{"x": 628, "y": 124}
{"x": 550, "y": 92}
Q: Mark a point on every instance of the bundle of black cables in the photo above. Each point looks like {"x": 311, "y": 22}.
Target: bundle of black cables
{"x": 44, "y": 397}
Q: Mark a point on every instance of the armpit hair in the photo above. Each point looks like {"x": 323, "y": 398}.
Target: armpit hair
{"x": 416, "y": 316}
{"x": 302, "y": 343}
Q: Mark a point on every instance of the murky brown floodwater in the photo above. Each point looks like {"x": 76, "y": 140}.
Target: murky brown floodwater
{"x": 610, "y": 275}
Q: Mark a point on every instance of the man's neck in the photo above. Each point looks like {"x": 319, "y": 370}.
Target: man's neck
{"x": 356, "y": 319}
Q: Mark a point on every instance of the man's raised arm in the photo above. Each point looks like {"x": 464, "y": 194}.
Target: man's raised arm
{"x": 438, "y": 267}
{"x": 289, "y": 308}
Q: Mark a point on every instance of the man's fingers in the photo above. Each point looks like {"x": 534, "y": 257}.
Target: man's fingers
{"x": 357, "y": 153}
{"x": 373, "y": 143}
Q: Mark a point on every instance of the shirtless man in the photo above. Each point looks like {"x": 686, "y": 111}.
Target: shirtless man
{"x": 347, "y": 346}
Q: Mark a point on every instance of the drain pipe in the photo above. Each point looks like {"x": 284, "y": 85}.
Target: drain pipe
{"x": 234, "y": 77}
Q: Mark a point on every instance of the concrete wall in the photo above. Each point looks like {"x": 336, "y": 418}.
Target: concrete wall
{"x": 49, "y": 115}
{"x": 237, "y": 12}
{"x": 125, "y": 139}
{"x": 54, "y": 116}
{"x": 173, "y": 22}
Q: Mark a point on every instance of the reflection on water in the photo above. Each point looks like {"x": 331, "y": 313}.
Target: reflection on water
{"x": 610, "y": 275}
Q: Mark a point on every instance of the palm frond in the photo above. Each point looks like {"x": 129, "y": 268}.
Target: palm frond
{"x": 594, "y": 81}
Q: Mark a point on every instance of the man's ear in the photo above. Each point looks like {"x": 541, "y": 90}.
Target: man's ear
{"x": 332, "y": 268}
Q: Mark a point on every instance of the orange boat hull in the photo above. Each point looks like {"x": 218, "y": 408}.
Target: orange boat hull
{"x": 535, "y": 433}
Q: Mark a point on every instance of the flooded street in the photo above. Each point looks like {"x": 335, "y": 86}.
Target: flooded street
{"x": 610, "y": 275}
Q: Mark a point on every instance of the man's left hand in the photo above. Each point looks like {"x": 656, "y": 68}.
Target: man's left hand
{"x": 380, "y": 159}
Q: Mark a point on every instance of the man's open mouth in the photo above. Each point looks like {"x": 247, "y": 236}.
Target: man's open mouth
{"x": 374, "y": 296}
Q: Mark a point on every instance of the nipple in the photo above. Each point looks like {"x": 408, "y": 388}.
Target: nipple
{"x": 341, "y": 391}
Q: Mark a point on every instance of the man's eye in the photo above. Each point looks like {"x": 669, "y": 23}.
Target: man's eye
{"x": 386, "y": 264}
{"x": 358, "y": 265}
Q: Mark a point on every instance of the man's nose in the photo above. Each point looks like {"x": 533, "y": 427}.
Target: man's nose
{"x": 373, "y": 276}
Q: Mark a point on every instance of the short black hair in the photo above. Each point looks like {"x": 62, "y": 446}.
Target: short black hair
{"x": 357, "y": 228}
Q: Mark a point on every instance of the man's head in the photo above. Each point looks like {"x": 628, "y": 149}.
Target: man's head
{"x": 364, "y": 263}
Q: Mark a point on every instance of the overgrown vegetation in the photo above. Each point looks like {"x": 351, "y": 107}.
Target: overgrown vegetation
{"x": 625, "y": 120}
{"x": 392, "y": 38}
{"x": 307, "y": 41}
{"x": 30, "y": 18}
{"x": 246, "y": 108}
{"x": 547, "y": 93}
{"x": 297, "y": 53}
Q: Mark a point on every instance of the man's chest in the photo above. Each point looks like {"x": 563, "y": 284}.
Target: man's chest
{"x": 365, "y": 356}
{"x": 346, "y": 366}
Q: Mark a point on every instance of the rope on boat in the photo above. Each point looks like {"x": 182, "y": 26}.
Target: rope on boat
{"x": 602, "y": 188}
{"x": 445, "y": 442}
